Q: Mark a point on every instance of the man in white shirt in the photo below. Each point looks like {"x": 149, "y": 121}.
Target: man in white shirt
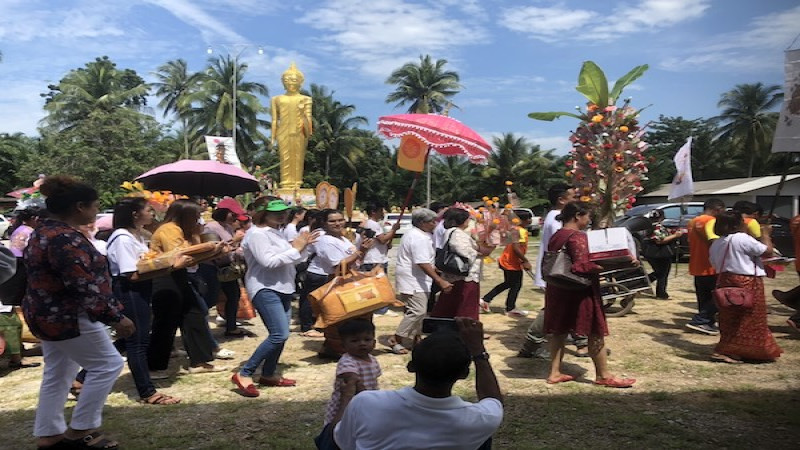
{"x": 378, "y": 254}
{"x": 414, "y": 274}
{"x": 428, "y": 415}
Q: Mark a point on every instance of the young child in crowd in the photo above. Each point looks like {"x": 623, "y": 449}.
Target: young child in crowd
{"x": 356, "y": 365}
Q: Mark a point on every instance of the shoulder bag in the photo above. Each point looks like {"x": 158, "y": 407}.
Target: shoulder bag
{"x": 449, "y": 261}
{"x": 557, "y": 270}
{"x": 731, "y": 296}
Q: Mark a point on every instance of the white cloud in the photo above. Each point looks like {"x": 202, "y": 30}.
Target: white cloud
{"x": 377, "y": 36}
{"x": 19, "y": 104}
{"x": 560, "y": 23}
{"x": 546, "y": 24}
{"x": 757, "y": 47}
{"x": 209, "y": 26}
{"x": 22, "y": 21}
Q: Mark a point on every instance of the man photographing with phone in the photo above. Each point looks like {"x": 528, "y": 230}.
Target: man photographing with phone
{"x": 428, "y": 415}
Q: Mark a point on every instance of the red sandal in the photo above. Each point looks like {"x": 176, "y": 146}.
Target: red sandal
{"x": 561, "y": 379}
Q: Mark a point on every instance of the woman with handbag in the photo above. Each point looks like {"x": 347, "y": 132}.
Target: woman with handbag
{"x": 658, "y": 249}
{"x": 125, "y": 246}
{"x": 577, "y": 308}
{"x": 270, "y": 283}
{"x": 220, "y": 274}
{"x": 736, "y": 257}
{"x": 331, "y": 251}
{"x": 463, "y": 299}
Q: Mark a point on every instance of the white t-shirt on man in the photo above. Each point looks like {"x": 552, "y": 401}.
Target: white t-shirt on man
{"x": 549, "y": 228}
{"x": 416, "y": 247}
{"x": 405, "y": 419}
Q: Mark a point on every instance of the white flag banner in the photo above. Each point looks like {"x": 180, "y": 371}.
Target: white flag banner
{"x": 682, "y": 184}
{"x": 787, "y": 133}
{"x": 221, "y": 149}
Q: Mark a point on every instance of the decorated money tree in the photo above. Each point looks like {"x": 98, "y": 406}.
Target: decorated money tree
{"x": 606, "y": 163}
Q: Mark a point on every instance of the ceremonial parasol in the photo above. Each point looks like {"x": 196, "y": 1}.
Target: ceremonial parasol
{"x": 200, "y": 177}
{"x": 19, "y": 193}
{"x": 444, "y": 134}
{"x": 441, "y": 133}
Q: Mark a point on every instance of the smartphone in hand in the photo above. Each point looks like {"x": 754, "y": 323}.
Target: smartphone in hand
{"x": 432, "y": 325}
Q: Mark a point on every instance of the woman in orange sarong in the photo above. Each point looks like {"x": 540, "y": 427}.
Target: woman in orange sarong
{"x": 736, "y": 256}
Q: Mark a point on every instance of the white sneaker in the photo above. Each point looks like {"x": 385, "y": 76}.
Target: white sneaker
{"x": 224, "y": 353}
{"x": 517, "y": 313}
{"x": 221, "y": 322}
{"x": 484, "y": 307}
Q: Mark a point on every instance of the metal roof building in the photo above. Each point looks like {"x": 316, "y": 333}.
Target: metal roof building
{"x": 760, "y": 190}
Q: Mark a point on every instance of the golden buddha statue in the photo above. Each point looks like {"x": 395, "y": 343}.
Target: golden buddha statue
{"x": 291, "y": 128}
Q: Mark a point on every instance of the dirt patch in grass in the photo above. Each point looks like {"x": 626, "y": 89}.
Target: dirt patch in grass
{"x": 681, "y": 400}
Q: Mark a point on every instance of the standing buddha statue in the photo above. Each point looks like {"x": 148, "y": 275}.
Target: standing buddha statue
{"x": 291, "y": 128}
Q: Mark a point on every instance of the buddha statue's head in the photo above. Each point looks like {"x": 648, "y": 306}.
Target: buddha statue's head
{"x": 292, "y": 79}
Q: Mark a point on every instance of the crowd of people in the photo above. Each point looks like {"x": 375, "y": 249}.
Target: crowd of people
{"x": 79, "y": 287}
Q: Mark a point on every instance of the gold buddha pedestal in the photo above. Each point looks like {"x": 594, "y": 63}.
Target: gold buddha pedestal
{"x": 291, "y": 128}
{"x": 298, "y": 197}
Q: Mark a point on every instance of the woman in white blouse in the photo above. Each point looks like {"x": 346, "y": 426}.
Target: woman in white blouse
{"x": 270, "y": 284}
{"x": 463, "y": 299}
{"x": 736, "y": 257}
{"x": 125, "y": 246}
{"x": 330, "y": 251}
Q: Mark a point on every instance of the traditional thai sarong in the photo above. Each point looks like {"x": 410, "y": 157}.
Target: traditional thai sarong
{"x": 743, "y": 332}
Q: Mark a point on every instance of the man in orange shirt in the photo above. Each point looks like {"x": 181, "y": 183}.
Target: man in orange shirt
{"x": 700, "y": 234}
{"x": 512, "y": 262}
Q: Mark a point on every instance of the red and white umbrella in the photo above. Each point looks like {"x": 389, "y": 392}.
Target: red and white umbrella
{"x": 443, "y": 134}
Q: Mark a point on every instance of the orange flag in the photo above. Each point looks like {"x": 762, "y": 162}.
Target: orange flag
{"x": 411, "y": 154}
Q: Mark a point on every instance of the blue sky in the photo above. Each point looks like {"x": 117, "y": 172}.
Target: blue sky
{"x": 514, "y": 57}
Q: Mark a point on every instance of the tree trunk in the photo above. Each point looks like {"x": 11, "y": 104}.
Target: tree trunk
{"x": 185, "y": 141}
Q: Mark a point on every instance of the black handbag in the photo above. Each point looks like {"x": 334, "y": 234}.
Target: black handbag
{"x": 651, "y": 250}
{"x": 557, "y": 271}
{"x": 449, "y": 261}
{"x": 13, "y": 290}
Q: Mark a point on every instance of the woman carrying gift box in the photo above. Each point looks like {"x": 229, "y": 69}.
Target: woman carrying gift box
{"x": 270, "y": 283}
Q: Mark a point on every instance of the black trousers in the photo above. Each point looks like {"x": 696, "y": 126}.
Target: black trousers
{"x": 512, "y": 280}
{"x": 706, "y": 308}
{"x": 661, "y": 268}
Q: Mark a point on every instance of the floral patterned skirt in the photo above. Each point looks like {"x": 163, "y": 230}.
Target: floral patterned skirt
{"x": 744, "y": 333}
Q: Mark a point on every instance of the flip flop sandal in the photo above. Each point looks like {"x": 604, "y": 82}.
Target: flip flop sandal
{"x": 63, "y": 444}
{"x": 312, "y": 334}
{"x": 615, "y": 382}
{"x": 398, "y": 349}
{"x": 99, "y": 442}
{"x": 160, "y": 399}
{"x": 716, "y": 357}
{"x": 561, "y": 379}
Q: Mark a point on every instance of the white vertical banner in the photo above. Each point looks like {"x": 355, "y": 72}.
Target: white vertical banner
{"x": 682, "y": 184}
{"x": 215, "y": 153}
{"x": 787, "y": 133}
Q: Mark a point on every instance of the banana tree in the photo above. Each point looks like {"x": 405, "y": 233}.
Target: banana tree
{"x": 606, "y": 163}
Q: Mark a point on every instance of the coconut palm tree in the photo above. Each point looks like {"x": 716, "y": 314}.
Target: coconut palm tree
{"x": 99, "y": 87}
{"x": 746, "y": 119}
{"x": 426, "y": 86}
{"x": 174, "y": 85}
{"x": 334, "y": 130}
{"x": 212, "y": 107}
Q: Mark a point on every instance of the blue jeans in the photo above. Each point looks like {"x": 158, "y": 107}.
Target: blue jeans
{"x": 135, "y": 297}
{"x": 275, "y": 309}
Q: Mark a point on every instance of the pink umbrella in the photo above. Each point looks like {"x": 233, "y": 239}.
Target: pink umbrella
{"x": 20, "y": 192}
{"x": 200, "y": 177}
{"x": 444, "y": 134}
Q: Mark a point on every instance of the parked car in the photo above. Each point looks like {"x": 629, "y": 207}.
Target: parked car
{"x": 5, "y": 224}
{"x": 391, "y": 218}
{"x": 536, "y": 222}
{"x": 676, "y": 217}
